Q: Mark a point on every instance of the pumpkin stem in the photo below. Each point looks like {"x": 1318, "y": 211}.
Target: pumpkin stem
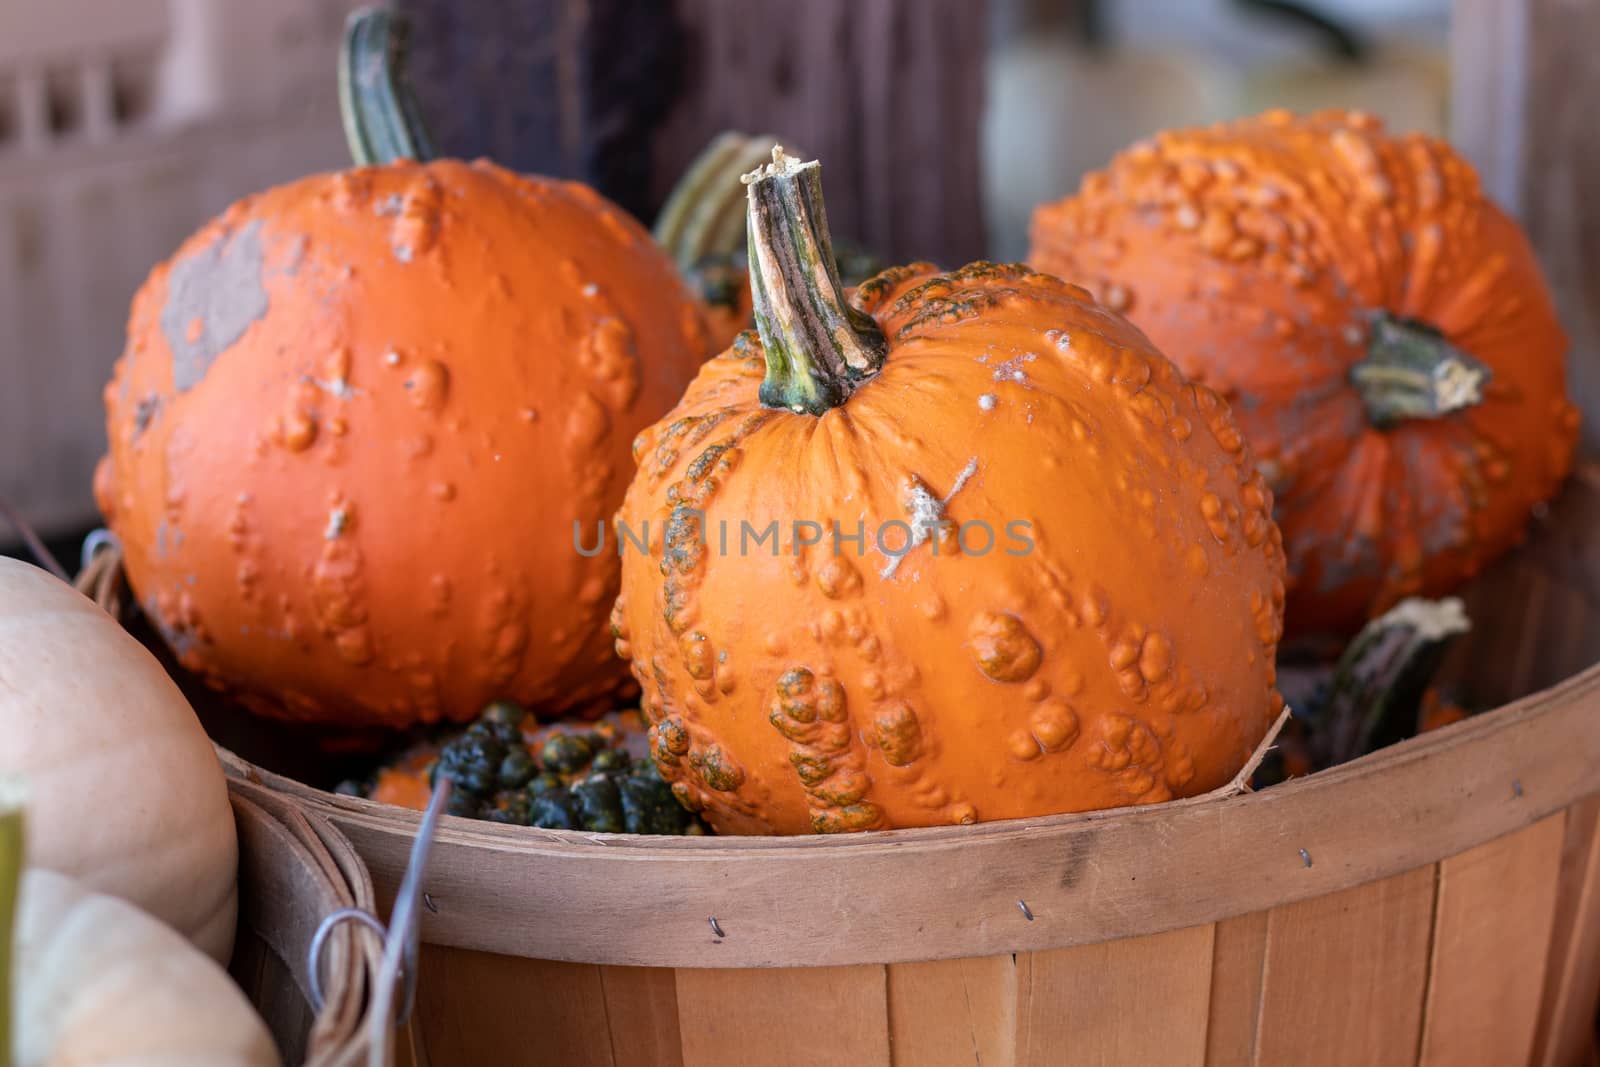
{"x": 705, "y": 212}
{"x": 818, "y": 347}
{"x": 382, "y": 122}
{"x": 1412, "y": 372}
{"x": 10, "y": 882}
{"x": 1375, "y": 695}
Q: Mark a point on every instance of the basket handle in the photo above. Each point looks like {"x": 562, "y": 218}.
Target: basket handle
{"x": 35, "y": 544}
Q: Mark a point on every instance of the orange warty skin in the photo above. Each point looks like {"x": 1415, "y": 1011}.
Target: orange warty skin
{"x": 1254, "y": 253}
{"x": 355, "y": 422}
{"x": 1127, "y": 658}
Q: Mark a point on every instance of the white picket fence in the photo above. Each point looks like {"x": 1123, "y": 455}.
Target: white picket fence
{"x": 124, "y": 125}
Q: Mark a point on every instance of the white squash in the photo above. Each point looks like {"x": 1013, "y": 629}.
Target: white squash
{"x": 10, "y": 875}
{"x": 98, "y": 983}
{"x": 89, "y": 980}
{"x": 125, "y": 791}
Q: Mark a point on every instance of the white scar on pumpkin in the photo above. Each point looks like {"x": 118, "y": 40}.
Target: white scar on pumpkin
{"x": 339, "y": 387}
{"x": 926, "y": 512}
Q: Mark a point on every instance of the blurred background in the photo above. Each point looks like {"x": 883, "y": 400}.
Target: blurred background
{"x": 125, "y": 124}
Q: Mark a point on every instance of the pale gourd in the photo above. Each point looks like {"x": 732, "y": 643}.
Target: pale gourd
{"x": 98, "y": 983}
{"x": 125, "y": 791}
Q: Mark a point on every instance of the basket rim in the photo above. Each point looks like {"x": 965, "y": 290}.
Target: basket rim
{"x": 945, "y": 892}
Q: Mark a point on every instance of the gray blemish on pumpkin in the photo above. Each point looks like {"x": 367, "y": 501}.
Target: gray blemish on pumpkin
{"x": 293, "y": 259}
{"x": 180, "y": 639}
{"x": 961, "y": 479}
{"x": 338, "y": 519}
{"x": 926, "y": 512}
{"x": 1011, "y": 370}
{"x": 168, "y": 539}
{"x": 220, "y": 287}
{"x": 337, "y": 387}
{"x": 144, "y": 413}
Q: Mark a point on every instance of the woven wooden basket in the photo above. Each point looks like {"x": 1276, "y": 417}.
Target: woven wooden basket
{"x": 1437, "y": 902}
{"x": 295, "y": 869}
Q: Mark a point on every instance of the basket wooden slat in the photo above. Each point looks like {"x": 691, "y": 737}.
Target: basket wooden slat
{"x": 725, "y": 1018}
{"x": 642, "y": 1014}
{"x": 1343, "y": 975}
{"x": 1494, "y": 913}
{"x": 944, "y": 1004}
{"x": 1572, "y": 975}
{"x": 1143, "y": 1000}
{"x": 1238, "y": 946}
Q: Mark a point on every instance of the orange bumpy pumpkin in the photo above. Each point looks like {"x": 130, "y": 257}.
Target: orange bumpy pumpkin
{"x": 1380, "y": 328}
{"x": 965, "y": 548}
{"x": 358, "y": 416}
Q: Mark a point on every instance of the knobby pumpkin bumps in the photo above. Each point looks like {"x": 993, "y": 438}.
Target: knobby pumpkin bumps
{"x": 358, "y": 415}
{"x": 813, "y": 684}
{"x": 1380, "y": 328}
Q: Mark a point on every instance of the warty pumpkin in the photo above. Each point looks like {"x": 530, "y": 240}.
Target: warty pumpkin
{"x": 125, "y": 791}
{"x": 961, "y": 546}
{"x": 359, "y": 415}
{"x": 1379, "y": 326}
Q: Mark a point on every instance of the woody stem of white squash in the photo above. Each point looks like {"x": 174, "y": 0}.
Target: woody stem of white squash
{"x": 10, "y": 881}
{"x": 818, "y": 347}
{"x": 1412, "y": 372}
{"x": 382, "y": 122}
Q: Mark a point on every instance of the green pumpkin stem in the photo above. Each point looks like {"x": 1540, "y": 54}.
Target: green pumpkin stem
{"x": 1375, "y": 696}
{"x": 704, "y": 214}
{"x": 818, "y": 347}
{"x": 382, "y": 122}
{"x": 1412, "y": 372}
{"x": 10, "y": 882}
